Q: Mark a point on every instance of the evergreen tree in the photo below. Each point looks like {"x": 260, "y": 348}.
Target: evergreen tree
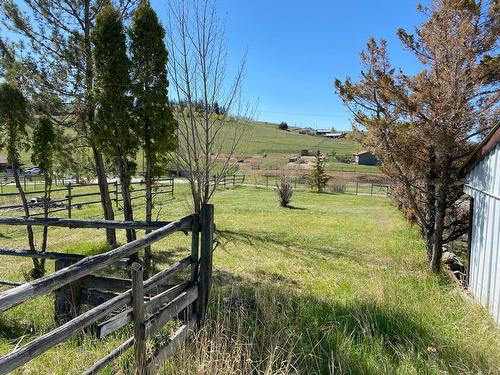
{"x": 43, "y": 155}
{"x": 51, "y": 56}
{"x": 14, "y": 117}
{"x": 317, "y": 179}
{"x": 114, "y": 128}
{"x": 149, "y": 85}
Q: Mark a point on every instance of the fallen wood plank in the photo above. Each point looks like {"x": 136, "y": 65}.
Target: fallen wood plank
{"x": 118, "y": 321}
{"x": 179, "y": 337}
{"x": 87, "y": 266}
{"x": 103, "y": 362}
{"x": 112, "y": 284}
{"x": 157, "y": 321}
{"x": 39, "y": 255}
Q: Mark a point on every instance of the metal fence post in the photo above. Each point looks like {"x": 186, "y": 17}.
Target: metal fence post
{"x": 207, "y": 233}
{"x": 357, "y": 184}
{"x": 139, "y": 317}
{"x": 371, "y": 190}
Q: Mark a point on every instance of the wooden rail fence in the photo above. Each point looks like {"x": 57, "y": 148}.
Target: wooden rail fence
{"x": 73, "y": 198}
{"x": 116, "y": 302}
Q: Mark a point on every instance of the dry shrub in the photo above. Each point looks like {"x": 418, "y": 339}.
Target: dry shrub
{"x": 285, "y": 191}
{"x": 336, "y": 186}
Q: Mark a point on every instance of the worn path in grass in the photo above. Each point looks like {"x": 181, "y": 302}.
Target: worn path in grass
{"x": 334, "y": 284}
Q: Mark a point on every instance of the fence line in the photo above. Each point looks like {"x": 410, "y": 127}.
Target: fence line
{"x": 71, "y": 199}
{"x": 148, "y": 304}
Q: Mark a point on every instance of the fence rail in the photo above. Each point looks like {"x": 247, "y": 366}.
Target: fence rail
{"x": 334, "y": 186}
{"x": 73, "y": 197}
{"x": 74, "y": 284}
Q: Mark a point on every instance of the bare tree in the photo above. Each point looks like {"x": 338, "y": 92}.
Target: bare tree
{"x": 208, "y": 107}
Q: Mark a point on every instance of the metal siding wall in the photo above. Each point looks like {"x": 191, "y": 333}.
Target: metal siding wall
{"x": 483, "y": 184}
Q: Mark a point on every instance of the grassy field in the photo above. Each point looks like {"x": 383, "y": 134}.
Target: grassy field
{"x": 335, "y": 284}
{"x": 260, "y": 138}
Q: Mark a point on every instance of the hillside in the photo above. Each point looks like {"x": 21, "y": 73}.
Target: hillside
{"x": 264, "y": 137}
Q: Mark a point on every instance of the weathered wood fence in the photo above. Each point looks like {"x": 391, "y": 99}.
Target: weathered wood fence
{"x": 116, "y": 302}
{"x": 76, "y": 199}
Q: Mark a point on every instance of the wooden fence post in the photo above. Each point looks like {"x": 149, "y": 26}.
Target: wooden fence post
{"x": 371, "y": 190}
{"x": 139, "y": 317}
{"x": 172, "y": 180}
{"x": 234, "y": 180}
{"x": 69, "y": 200}
{"x": 207, "y": 233}
{"x": 67, "y": 298}
{"x": 195, "y": 253}
{"x": 116, "y": 193}
{"x": 357, "y": 183}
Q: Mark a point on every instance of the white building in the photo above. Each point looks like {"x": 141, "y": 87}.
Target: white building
{"x": 482, "y": 184}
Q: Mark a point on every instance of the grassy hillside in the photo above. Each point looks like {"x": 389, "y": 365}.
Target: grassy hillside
{"x": 336, "y": 284}
{"x": 261, "y": 137}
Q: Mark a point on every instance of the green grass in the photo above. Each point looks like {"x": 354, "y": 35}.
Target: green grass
{"x": 260, "y": 138}
{"x": 335, "y": 284}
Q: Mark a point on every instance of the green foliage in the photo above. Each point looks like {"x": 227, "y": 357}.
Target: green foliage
{"x": 150, "y": 85}
{"x": 283, "y": 126}
{"x": 317, "y": 179}
{"x": 44, "y": 145}
{"x": 114, "y": 128}
{"x": 14, "y": 116}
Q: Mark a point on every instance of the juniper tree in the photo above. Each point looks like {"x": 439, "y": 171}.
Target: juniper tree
{"x": 114, "y": 127}
{"x": 14, "y": 119}
{"x": 156, "y": 128}
{"x": 43, "y": 155}
{"x": 421, "y": 125}
{"x": 317, "y": 178}
{"x": 51, "y": 57}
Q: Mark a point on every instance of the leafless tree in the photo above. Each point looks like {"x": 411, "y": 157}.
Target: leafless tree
{"x": 208, "y": 105}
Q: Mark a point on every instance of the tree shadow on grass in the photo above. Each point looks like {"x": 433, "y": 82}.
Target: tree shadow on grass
{"x": 258, "y": 241}
{"x": 290, "y": 207}
{"x": 359, "y": 336}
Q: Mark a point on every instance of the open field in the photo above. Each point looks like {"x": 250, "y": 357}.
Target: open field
{"x": 335, "y": 284}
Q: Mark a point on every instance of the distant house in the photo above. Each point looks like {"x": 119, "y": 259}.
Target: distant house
{"x": 322, "y": 132}
{"x": 481, "y": 177}
{"x": 366, "y": 158}
{"x": 3, "y": 163}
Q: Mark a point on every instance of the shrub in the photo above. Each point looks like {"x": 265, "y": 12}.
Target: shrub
{"x": 336, "y": 186}
{"x": 283, "y": 126}
{"x": 285, "y": 192}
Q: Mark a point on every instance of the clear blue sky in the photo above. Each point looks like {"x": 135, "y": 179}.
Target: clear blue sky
{"x": 296, "y": 49}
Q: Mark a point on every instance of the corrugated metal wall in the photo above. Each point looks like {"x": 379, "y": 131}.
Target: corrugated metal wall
{"x": 483, "y": 184}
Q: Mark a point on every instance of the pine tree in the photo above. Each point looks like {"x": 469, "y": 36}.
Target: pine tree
{"x": 51, "y": 56}
{"x": 317, "y": 179}
{"x": 43, "y": 155}
{"x": 14, "y": 118}
{"x": 114, "y": 127}
{"x": 157, "y": 125}
{"x": 421, "y": 125}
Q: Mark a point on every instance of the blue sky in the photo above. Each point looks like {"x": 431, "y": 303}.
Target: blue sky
{"x": 296, "y": 49}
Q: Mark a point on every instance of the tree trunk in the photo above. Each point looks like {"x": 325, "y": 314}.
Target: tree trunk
{"x": 107, "y": 207}
{"x": 31, "y": 237}
{"x": 128, "y": 213}
{"x": 148, "y": 178}
{"x": 102, "y": 180}
{"x": 437, "y": 249}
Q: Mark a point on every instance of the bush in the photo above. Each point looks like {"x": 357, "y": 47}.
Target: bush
{"x": 336, "y": 186}
{"x": 285, "y": 192}
{"x": 283, "y": 126}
